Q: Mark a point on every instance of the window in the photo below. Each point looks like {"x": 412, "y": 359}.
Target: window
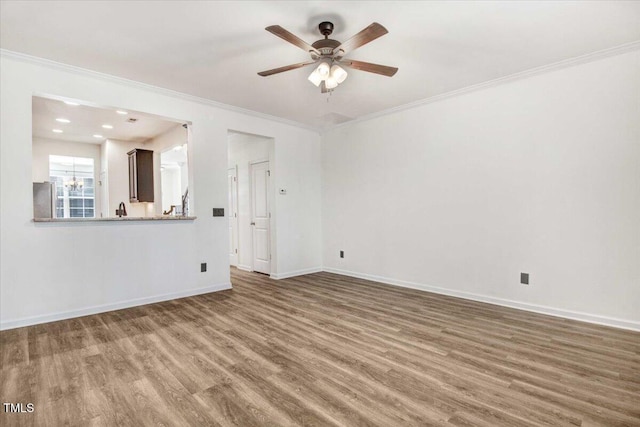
{"x": 75, "y": 186}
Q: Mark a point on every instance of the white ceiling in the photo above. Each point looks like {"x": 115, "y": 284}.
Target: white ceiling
{"x": 86, "y": 121}
{"x": 214, "y": 49}
{"x": 175, "y": 156}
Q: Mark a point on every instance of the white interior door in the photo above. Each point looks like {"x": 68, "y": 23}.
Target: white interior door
{"x": 232, "y": 215}
{"x": 260, "y": 216}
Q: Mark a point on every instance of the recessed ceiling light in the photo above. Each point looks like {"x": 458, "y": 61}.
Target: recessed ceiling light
{"x": 71, "y": 103}
{"x": 122, "y": 112}
{"x": 97, "y": 136}
{"x": 57, "y": 130}
{"x": 63, "y": 120}
{"x": 107, "y": 126}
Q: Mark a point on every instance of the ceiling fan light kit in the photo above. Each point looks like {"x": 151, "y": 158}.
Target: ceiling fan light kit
{"x": 315, "y": 78}
{"x": 330, "y": 83}
{"x": 338, "y": 73}
{"x": 330, "y": 53}
{"x": 331, "y": 76}
{"x": 323, "y": 70}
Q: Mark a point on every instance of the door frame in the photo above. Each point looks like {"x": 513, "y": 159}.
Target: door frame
{"x": 236, "y": 240}
{"x": 269, "y": 204}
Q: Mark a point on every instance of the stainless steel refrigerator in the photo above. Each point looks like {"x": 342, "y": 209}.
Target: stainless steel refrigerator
{"x": 44, "y": 200}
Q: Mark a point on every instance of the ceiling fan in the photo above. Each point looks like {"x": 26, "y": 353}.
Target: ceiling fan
{"x": 330, "y": 54}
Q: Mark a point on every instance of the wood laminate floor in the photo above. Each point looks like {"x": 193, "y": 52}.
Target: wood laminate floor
{"x": 322, "y": 350}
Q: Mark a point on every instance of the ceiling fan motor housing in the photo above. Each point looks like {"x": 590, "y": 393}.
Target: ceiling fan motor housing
{"x": 326, "y": 28}
{"x": 325, "y": 46}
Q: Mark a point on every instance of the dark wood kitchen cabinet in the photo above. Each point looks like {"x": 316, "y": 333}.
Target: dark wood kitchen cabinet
{"x": 140, "y": 175}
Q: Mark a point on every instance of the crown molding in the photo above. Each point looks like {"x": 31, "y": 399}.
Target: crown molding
{"x": 590, "y": 57}
{"x": 144, "y": 86}
{"x": 566, "y": 63}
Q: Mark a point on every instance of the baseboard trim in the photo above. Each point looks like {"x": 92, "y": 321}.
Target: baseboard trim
{"x": 34, "y": 320}
{"x": 296, "y": 273}
{"x": 244, "y": 267}
{"x": 551, "y": 311}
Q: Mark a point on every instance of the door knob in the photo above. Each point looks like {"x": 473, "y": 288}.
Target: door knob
{"x": 253, "y": 223}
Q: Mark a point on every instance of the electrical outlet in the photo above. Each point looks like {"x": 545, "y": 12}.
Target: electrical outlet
{"x": 203, "y": 267}
{"x": 341, "y": 254}
{"x": 524, "y": 278}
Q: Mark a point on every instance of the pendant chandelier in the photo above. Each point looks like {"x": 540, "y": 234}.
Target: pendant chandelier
{"x": 75, "y": 184}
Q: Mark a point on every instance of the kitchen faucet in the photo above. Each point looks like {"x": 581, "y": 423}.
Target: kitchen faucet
{"x": 185, "y": 202}
{"x": 122, "y": 210}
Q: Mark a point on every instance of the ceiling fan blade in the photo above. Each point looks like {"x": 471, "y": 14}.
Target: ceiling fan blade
{"x": 285, "y": 68}
{"x": 370, "y": 33}
{"x": 368, "y": 66}
{"x": 285, "y": 35}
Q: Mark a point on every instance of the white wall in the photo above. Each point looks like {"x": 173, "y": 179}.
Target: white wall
{"x": 104, "y": 181}
{"x": 171, "y": 182}
{"x": 122, "y": 263}
{"x": 174, "y": 136}
{"x": 44, "y": 147}
{"x": 244, "y": 149}
{"x": 540, "y": 175}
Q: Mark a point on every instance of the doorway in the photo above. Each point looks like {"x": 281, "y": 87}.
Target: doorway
{"x": 251, "y": 215}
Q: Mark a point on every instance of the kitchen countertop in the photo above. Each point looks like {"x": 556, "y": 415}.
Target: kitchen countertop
{"x": 117, "y": 219}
